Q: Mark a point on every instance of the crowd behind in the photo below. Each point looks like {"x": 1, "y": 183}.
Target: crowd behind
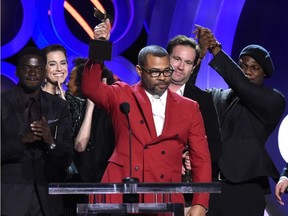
{"x": 179, "y": 131}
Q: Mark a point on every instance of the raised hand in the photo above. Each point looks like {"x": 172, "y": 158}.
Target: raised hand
{"x": 60, "y": 89}
{"x": 102, "y": 31}
{"x": 206, "y": 39}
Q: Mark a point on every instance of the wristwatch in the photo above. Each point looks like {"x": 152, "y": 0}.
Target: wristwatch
{"x": 213, "y": 46}
{"x": 52, "y": 146}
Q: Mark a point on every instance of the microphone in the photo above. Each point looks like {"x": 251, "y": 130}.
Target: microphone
{"x": 129, "y": 198}
{"x": 125, "y": 108}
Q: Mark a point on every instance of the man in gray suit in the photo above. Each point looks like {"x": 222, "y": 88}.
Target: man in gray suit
{"x": 36, "y": 145}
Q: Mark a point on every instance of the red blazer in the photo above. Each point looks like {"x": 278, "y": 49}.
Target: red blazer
{"x": 154, "y": 159}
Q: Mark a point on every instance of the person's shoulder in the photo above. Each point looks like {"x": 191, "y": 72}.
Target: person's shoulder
{"x": 53, "y": 98}
{"x": 219, "y": 92}
{"x": 197, "y": 91}
{"x": 278, "y": 92}
{"x": 277, "y": 98}
{"x": 73, "y": 99}
{"x": 11, "y": 90}
{"x": 7, "y": 93}
{"x": 181, "y": 99}
{"x": 11, "y": 94}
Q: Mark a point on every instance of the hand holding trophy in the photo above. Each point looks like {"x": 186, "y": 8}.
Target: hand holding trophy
{"x": 100, "y": 48}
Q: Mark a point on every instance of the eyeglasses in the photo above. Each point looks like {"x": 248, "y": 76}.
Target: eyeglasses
{"x": 156, "y": 72}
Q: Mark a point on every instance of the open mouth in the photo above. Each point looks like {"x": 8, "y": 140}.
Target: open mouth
{"x": 58, "y": 75}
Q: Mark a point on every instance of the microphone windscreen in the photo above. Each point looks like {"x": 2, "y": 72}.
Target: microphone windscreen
{"x": 125, "y": 108}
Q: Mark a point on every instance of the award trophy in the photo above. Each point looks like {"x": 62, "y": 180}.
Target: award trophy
{"x": 100, "y": 49}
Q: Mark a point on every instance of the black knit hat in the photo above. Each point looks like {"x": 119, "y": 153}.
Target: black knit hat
{"x": 261, "y": 56}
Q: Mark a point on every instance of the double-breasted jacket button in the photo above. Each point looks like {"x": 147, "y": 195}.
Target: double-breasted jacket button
{"x": 145, "y": 147}
{"x": 136, "y": 168}
{"x": 141, "y": 121}
{"x": 162, "y": 176}
{"x": 163, "y": 152}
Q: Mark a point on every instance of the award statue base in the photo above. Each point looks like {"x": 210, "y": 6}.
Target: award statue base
{"x": 132, "y": 184}
{"x": 100, "y": 50}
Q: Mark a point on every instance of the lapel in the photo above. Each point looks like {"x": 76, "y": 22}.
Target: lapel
{"x": 48, "y": 102}
{"x": 233, "y": 100}
{"x": 170, "y": 111}
{"x": 145, "y": 108}
{"x": 188, "y": 90}
{"x": 17, "y": 99}
{"x": 44, "y": 104}
{"x": 170, "y": 115}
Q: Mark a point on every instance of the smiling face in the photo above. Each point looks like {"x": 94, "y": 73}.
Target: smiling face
{"x": 31, "y": 72}
{"x": 182, "y": 59}
{"x": 57, "y": 67}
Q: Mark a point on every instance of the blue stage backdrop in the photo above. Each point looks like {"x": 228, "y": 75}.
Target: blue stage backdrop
{"x": 138, "y": 23}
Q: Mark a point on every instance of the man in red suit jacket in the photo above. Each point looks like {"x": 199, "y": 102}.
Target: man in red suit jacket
{"x": 159, "y": 134}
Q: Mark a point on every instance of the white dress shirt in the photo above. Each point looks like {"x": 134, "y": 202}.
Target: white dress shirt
{"x": 180, "y": 91}
{"x": 158, "y": 105}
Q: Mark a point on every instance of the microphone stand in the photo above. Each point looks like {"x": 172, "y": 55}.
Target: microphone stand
{"x": 131, "y": 197}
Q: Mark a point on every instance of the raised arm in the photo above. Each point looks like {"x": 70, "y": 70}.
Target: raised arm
{"x": 83, "y": 135}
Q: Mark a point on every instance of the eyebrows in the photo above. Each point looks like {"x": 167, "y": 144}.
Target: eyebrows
{"x": 178, "y": 58}
{"x": 55, "y": 61}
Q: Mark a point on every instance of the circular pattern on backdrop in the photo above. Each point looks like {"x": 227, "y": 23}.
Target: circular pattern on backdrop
{"x": 24, "y": 33}
{"x": 9, "y": 71}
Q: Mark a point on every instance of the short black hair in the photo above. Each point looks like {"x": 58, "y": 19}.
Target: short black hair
{"x": 30, "y": 51}
{"x": 154, "y": 50}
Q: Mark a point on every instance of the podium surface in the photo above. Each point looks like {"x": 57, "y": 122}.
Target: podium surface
{"x": 133, "y": 188}
{"x": 165, "y": 189}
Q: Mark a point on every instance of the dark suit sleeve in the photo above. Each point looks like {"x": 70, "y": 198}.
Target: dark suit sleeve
{"x": 212, "y": 129}
{"x": 267, "y": 104}
{"x": 12, "y": 129}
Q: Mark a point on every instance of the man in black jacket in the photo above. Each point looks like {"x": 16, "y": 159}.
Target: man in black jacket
{"x": 36, "y": 145}
{"x": 248, "y": 113}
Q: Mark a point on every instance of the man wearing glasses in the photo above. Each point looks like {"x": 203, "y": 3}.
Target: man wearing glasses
{"x": 162, "y": 123}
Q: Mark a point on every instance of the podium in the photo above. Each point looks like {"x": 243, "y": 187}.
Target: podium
{"x": 164, "y": 189}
